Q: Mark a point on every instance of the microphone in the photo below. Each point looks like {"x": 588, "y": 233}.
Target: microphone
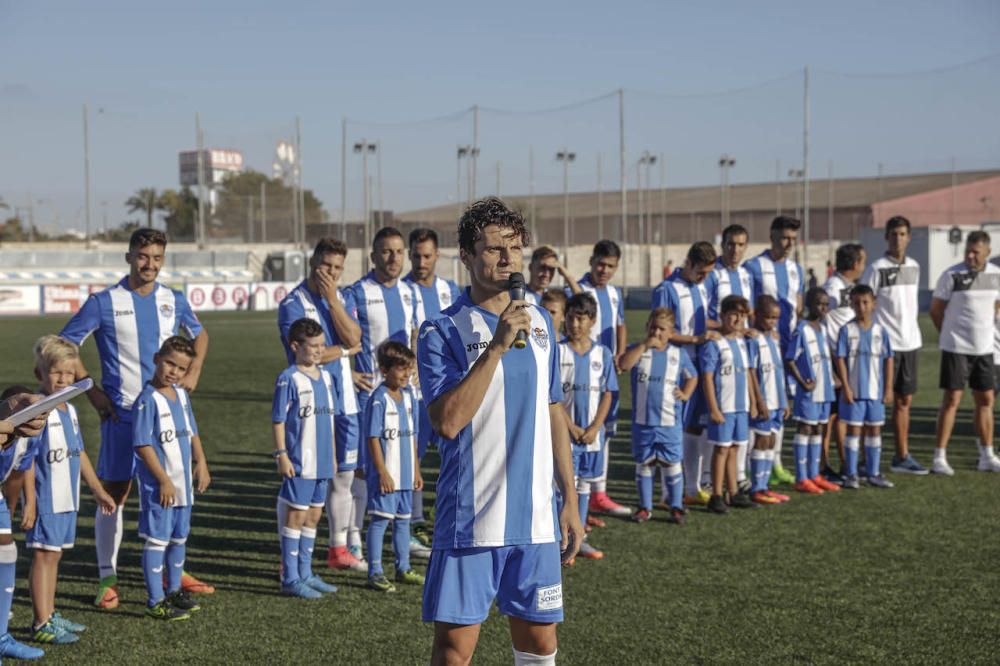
{"x": 516, "y": 286}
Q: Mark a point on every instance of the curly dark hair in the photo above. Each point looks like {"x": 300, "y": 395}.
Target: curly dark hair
{"x": 145, "y": 237}
{"x": 179, "y": 344}
{"x": 487, "y": 211}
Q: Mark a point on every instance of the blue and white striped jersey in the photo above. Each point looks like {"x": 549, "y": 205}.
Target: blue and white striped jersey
{"x": 496, "y": 482}
{"x": 384, "y": 313}
{"x": 724, "y": 281}
{"x": 18, "y": 457}
{"x": 129, "y": 329}
{"x": 765, "y": 357}
{"x": 585, "y": 379}
{"x": 167, "y": 426}
{"x": 838, "y": 290}
{"x": 783, "y": 280}
{"x": 302, "y": 303}
{"x": 689, "y": 303}
{"x": 864, "y": 351}
{"x": 729, "y": 363}
{"x": 810, "y": 352}
{"x": 654, "y": 379}
{"x": 57, "y": 462}
{"x": 393, "y": 423}
{"x": 432, "y": 300}
{"x": 306, "y": 407}
{"x": 610, "y": 312}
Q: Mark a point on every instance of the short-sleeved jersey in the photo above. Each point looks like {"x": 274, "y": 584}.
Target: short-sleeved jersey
{"x": 838, "y": 289}
{"x": 306, "y": 407}
{"x": 432, "y": 300}
{"x": 864, "y": 351}
{"x": 782, "y": 280}
{"x": 585, "y": 379}
{"x": 57, "y": 462}
{"x": 167, "y": 426}
{"x": 689, "y": 303}
{"x": 496, "y": 481}
{"x": 654, "y": 379}
{"x": 18, "y": 457}
{"x": 384, "y": 313}
{"x": 968, "y": 320}
{"x": 724, "y": 281}
{"x": 610, "y": 312}
{"x": 996, "y": 339}
{"x": 129, "y": 330}
{"x": 727, "y": 360}
{"x": 897, "y": 290}
{"x": 810, "y": 352}
{"x": 302, "y": 303}
{"x": 393, "y": 424}
{"x": 765, "y": 358}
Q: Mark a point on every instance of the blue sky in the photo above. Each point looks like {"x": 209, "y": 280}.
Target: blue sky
{"x": 249, "y": 68}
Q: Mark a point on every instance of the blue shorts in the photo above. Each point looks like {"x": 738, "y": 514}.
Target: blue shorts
{"x": 736, "y": 430}
{"x": 163, "y": 525}
{"x": 52, "y": 531}
{"x": 525, "y": 581}
{"x": 770, "y": 425}
{"x": 807, "y": 411}
{"x": 695, "y": 411}
{"x": 861, "y": 412}
{"x": 116, "y": 460}
{"x": 663, "y": 443}
{"x": 397, "y": 504}
{"x": 301, "y": 494}
{"x": 589, "y": 464}
{"x": 347, "y": 437}
{"x": 4, "y": 517}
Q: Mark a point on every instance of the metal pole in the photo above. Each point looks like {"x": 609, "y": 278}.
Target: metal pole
{"x": 378, "y": 171}
{"x": 663, "y": 200}
{"x": 498, "y": 179}
{"x": 263, "y": 212}
{"x": 805, "y": 167}
{"x": 475, "y": 150}
{"x": 458, "y": 175}
{"x": 199, "y": 140}
{"x": 829, "y": 210}
{"x": 343, "y": 179}
{"x": 954, "y": 185}
{"x": 600, "y": 201}
{"x": 638, "y": 181}
{"x": 565, "y": 205}
{"x": 621, "y": 168}
{"x": 250, "y": 219}
{"x": 777, "y": 186}
{"x": 86, "y": 173}
{"x": 364, "y": 194}
{"x": 302, "y": 197}
{"x": 881, "y": 190}
{"x": 722, "y": 193}
{"x": 531, "y": 194}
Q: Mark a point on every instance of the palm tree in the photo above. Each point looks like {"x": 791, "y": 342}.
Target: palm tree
{"x": 145, "y": 200}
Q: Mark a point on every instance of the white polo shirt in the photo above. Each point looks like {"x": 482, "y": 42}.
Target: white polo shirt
{"x": 896, "y": 286}
{"x": 968, "y": 326}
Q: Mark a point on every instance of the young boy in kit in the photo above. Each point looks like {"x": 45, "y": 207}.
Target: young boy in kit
{"x": 393, "y": 472}
{"x": 170, "y": 461}
{"x": 303, "y": 425}
{"x": 51, "y": 510}
{"x": 589, "y": 380}
{"x": 772, "y": 402}
{"x": 864, "y": 360}
{"x": 663, "y": 379}
{"x": 729, "y": 386}
{"x": 808, "y": 362}
{"x": 554, "y": 302}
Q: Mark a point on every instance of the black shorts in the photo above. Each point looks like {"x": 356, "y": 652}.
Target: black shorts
{"x": 961, "y": 370}
{"x": 904, "y": 367}
{"x": 996, "y": 379}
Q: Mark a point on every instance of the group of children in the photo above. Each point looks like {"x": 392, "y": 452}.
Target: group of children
{"x": 737, "y": 377}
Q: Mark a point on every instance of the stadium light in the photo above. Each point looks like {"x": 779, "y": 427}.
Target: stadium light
{"x": 646, "y": 159}
{"x": 725, "y": 164}
{"x": 798, "y": 175}
{"x": 565, "y": 156}
{"x": 364, "y": 147}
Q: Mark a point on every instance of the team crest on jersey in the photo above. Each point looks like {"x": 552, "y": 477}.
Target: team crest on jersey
{"x": 406, "y": 299}
{"x": 540, "y": 336}
{"x": 596, "y": 366}
{"x": 166, "y": 310}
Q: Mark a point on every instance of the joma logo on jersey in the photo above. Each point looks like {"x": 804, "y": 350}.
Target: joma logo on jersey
{"x": 124, "y": 313}
{"x": 375, "y": 301}
{"x": 473, "y": 346}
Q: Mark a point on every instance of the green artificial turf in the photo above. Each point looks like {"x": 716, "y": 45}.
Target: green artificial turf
{"x": 907, "y": 575}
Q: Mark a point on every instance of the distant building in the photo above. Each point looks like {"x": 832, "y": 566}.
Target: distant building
{"x": 217, "y": 163}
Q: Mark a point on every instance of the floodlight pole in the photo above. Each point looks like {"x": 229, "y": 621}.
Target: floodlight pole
{"x": 200, "y": 140}
{"x": 805, "y": 165}
{"x": 343, "y": 179}
{"x": 565, "y": 157}
{"x": 86, "y": 174}
{"x": 475, "y": 150}
{"x": 531, "y": 194}
{"x": 600, "y": 201}
{"x": 301, "y": 200}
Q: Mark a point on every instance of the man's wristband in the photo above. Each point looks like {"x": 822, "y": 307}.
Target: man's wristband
{"x": 277, "y": 454}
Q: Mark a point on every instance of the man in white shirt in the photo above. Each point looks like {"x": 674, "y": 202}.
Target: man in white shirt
{"x": 895, "y": 279}
{"x": 963, "y": 310}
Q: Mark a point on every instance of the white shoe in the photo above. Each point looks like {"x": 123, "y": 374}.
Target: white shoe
{"x": 940, "y": 466}
{"x": 418, "y": 550}
{"x": 991, "y": 464}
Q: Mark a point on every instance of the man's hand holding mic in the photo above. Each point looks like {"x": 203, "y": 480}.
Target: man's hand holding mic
{"x": 515, "y": 322}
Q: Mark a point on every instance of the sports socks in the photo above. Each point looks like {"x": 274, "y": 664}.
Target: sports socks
{"x": 599, "y": 486}
{"x": 852, "y": 443}
{"x": 290, "y": 539}
{"x": 674, "y": 482}
{"x": 741, "y": 461}
{"x": 528, "y": 659}
{"x": 776, "y": 449}
{"x": 418, "y": 507}
{"x": 800, "y": 449}
{"x": 873, "y": 454}
{"x": 401, "y": 543}
{"x": 583, "y": 496}
{"x": 376, "y": 534}
{"x": 307, "y": 543}
{"x": 339, "y": 508}
{"x": 815, "y": 454}
{"x": 176, "y": 552}
{"x": 359, "y": 496}
{"x": 985, "y": 452}
{"x": 107, "y": 540}
{"x": 692, "y": 463}
{"x": 644, "y": 485}
{"x": 706, "y": 450}
{"x": 8, "y": 562}
{"x": 153, "y": 555}
{"x": 759, "y": 470}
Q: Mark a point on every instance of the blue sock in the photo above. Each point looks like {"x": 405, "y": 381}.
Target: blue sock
{"x": 584, "y": 500}
{"x": 758, "y": 465}
{"x": 306, "y": 544}
{"x": 644, "y": 484}
{"x": 153, "y": 556}
{"x": 873, "y": 454}
{"x": 176, "y": 552}
{"x": 8, "y": 562}
{"x": 290, "y": 540}
{"x": 418, "y": 507}
{"x": 800, "y": 449}
{"x": 675, "y": 485}
{"x": 851, "y": 445}
{"x": 768, "y": 467}
{"x": 401, "y": 544}
{"x": 376, "y": 535}
{"x": 815, "y": 453}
